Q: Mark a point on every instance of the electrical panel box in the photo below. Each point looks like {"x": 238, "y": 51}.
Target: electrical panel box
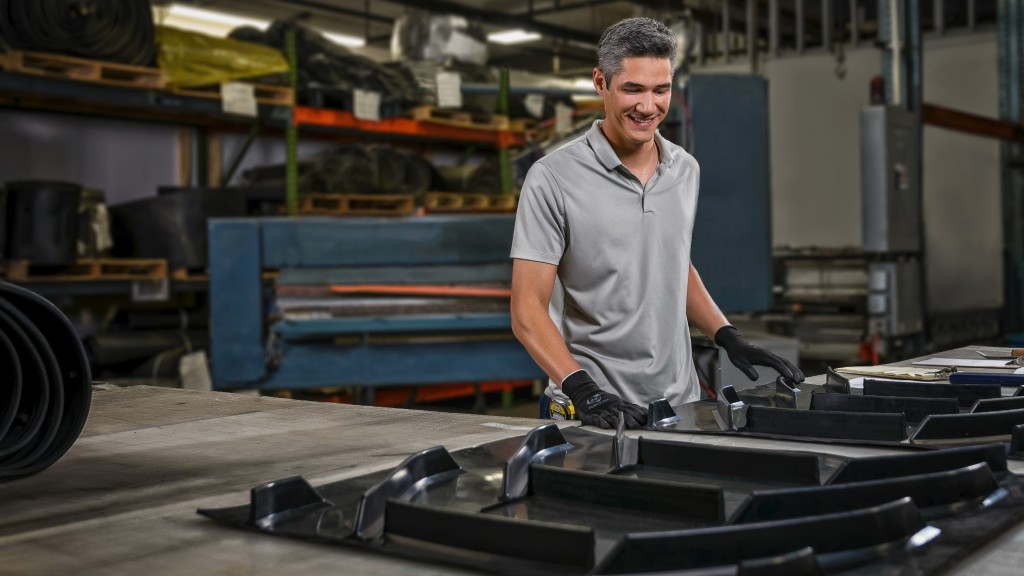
{"x": 890, "y": 180}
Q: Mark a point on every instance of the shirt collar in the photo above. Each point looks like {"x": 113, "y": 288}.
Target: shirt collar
{"x": 606, "y": 154}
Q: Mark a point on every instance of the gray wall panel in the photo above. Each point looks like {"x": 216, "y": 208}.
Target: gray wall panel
{"x": 127, "y": 160}
{"x": 962, "y": 188}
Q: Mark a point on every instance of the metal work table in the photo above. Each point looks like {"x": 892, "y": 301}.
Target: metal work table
{"x": 124, "y": 499}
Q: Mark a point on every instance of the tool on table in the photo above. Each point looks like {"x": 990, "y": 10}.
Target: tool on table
{"x": 561, "y": 409}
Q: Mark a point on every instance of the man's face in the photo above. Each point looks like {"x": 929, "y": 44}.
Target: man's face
{"x": 636, "y": 100}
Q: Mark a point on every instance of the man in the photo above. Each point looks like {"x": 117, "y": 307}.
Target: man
{"x": 602, "y": 284}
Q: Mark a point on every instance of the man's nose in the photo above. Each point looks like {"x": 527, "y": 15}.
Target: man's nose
{"x": 645, "y": 103}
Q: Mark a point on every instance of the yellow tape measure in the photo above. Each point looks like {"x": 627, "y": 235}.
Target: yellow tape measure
{"x": 562, "y": 409}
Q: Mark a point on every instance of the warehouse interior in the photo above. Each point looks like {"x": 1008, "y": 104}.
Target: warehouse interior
{"x": 255, "y": 263}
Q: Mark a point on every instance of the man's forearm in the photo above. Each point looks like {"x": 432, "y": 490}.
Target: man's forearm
{"x": 544, "y": 342}
{"x": 701, "y": 310}
{"x": 532, "y": 283}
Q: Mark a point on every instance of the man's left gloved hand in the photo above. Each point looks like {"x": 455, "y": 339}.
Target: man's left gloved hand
{"x": 745, "y": 355}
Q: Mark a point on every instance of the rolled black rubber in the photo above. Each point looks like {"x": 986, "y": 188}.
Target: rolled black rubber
{"x": 111, "y": 30}
{"x": 10, "y": 372}
{"x": 50, "y": 402}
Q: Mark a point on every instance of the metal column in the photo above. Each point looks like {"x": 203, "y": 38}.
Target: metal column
{"x": 1011, "y": 78}
{"x": 902, "y": 65}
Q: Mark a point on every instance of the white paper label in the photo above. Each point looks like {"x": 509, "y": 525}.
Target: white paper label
{"x": 151, "y": 290}
{"x": 449, "y": 90}
{"x": 563, "y": 118}
{"x": 238, "y": 98}
{"x": 195, "y": 372}
{"x": 534, "y": 104}
{"x": 366, "y": 105}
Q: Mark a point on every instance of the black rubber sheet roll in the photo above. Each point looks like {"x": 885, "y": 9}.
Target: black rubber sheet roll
{"x": 111, "y": 30}
{"x": 45, "y": 400}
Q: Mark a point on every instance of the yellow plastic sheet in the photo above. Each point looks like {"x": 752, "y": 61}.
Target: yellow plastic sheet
{"x": 191, "y": 59}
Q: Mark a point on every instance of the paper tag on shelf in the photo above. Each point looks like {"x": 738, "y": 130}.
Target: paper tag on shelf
{"x": 449, "y": 90}
{"x": 366, "y": 105}
{"x": 151, "y": 290}
{"x": 563, "y": 118}
{"x": 238, "y": 98}
{"x": 534, "y": 104}
{"x": 195, "y": 372}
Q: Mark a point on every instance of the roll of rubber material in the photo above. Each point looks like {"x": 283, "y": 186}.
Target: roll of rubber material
{"x": 72, "y": 366}
{"x": 62, "y": 339}
{"x": 10, "y": 374}
{"x": 43, "y": 221}
{"x": 35, "y": 395}
{"x": 172, "y": 225}
{"x": 36, "y": 453}
{"x": 113, "y": 30}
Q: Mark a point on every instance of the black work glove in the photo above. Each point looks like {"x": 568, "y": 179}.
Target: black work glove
{"x": 596, "y": 407}
{"x": 745, "y": 355}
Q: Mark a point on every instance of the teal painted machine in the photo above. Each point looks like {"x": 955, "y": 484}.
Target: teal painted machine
{"x": 256, "y": 346}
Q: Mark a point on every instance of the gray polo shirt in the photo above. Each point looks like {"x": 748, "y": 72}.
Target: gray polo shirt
{"x": 623, "y": 257}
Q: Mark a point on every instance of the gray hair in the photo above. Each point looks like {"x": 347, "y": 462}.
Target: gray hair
{"x": 634, "y": 38}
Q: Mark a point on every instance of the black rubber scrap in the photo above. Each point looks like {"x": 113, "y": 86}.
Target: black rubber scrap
{"x": 47, "y": 391}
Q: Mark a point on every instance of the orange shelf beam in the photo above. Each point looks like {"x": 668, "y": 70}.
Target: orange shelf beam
{"x": 344, "y": 120}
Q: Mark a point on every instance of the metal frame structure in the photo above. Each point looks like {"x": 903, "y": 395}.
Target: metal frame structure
{"x": 1011, "y": 87}
{"x": 249, "y": 352}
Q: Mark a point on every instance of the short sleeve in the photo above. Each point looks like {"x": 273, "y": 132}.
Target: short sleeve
{"x": 540, "y": 219}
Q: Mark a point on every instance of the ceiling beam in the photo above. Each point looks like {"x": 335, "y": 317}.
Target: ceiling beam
{"x": 560, "y": 7}
{"x": 333, "y": 9}
{"x": 505, "y": 19}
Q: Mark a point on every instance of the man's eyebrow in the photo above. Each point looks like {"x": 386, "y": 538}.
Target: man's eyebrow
{"x": 635, "y": 85}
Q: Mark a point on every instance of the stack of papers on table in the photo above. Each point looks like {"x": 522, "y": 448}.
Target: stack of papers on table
{"x": 970, "y": 363}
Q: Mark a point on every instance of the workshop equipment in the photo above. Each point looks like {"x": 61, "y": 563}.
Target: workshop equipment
{"x": 892, "y": 412}
{"x": 278, "y": 338}
{"x": 658, "y": 506}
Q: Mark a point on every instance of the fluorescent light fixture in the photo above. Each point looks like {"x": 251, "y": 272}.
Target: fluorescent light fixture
{"x": 207, "y": 21}
{"x": 345, "y": 39}
{"x": 517, "y": 36}
{"x": 221, "y": 23}
{"x": 584, "y": 83}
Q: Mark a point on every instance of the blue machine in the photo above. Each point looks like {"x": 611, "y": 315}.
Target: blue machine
{"x": 250, "y": 351}
{"x": 732, "y": 236}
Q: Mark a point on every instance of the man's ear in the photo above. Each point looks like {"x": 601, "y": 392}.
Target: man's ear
{"x": 599, "y": 81}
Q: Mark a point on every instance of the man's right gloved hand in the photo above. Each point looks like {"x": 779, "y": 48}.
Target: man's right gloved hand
{"x": 596, "y": 407}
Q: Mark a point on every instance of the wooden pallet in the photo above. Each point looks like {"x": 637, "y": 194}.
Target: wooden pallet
{"x": 357, "y": 204}
{"x": 81, "y": 69}
{"x": 266, "y": 94}
{"x": 93, "y": 270}
{"x": 522, "y": 124}
{"x": 460, "y": 118}
{"x": 190, "y": 275}
{"x": 203, "y": 275}
{"x": 462, "y": 202}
